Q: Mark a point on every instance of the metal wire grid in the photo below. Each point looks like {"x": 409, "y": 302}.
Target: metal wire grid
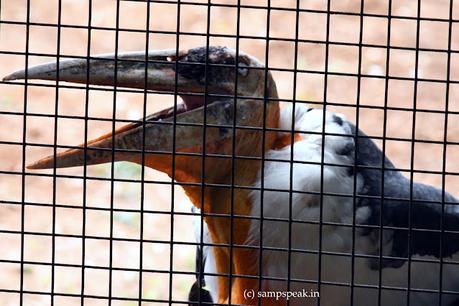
{"x": 112, "y": 296}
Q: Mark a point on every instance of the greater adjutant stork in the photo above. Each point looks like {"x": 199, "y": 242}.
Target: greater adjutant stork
{"x": 331, "y": 219}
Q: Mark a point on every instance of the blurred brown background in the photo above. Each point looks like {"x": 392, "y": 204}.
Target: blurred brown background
{"x": 342, "y": 90}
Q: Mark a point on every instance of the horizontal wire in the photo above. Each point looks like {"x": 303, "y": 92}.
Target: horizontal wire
{"x": 100, "y": 297}
{"x": 322, "y": 282}
{"x": 194, "y": 273}
{"x": 223, "y": 215}
{"x": 221, "y": 185}
{"x": 216, "y": 35}
{"x": 304, "y": 71}
{"x": 301, "y": 10}
{"x": 207, "y": 125}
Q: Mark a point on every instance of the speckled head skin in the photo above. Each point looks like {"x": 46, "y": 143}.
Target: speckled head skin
{"x": 219, "y": 69}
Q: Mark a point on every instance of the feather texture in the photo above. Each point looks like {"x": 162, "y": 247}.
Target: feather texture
{"x": 348, "y": 162}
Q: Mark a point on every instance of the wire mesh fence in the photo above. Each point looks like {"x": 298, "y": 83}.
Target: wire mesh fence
{"x": 242, "y": 183}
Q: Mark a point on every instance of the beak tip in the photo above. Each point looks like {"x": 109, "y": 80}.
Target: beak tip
{"x": 45, "y": 163}
{"x": 31, "y": 167}
{"x": 14, "y": 76}
{"x": 34, "y": 166}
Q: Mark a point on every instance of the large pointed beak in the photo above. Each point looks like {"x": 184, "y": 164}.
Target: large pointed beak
{"x": 157, "y": 137}
{"x": 156, "y": 69}
{"x": 155, "y": 134}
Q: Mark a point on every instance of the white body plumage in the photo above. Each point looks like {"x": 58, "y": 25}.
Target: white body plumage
{"x": 337, "y": 246}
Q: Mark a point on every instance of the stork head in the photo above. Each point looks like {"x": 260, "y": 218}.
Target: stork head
{"x": 222, "y": 94}
{"x": 207, "y": 80}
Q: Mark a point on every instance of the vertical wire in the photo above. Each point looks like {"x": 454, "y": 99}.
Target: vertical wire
{"x": 142, "y": 173}
{"x": 24, "y": 152}
{"x": 383, "y": 149}
{"x": 233, "y": 145}
{"x": 356, "y": 149}
{"x": 322, "y": 157}
{"x": 263, "y": 142}
{"x": 85, "y": 148}
{"x": 112, "y": 170}
{"x": 413, "y": 142}
{"x": 292, "y": 148}
{"x": 204, "y": 132}
{"x": 445, "y": 147}
{"x": 174, "y": 132}
{"x": 56, "y": 120}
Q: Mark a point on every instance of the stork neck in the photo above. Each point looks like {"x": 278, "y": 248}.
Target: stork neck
{"x": 224, "y": 198}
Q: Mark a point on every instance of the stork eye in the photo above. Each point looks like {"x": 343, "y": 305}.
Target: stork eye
{"x": 243, "y": 69}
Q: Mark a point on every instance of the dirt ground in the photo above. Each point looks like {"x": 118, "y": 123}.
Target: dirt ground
{"x": 69, "y": 192}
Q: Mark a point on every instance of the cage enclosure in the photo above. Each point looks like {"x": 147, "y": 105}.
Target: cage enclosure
{"x": 274, "y": 152}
